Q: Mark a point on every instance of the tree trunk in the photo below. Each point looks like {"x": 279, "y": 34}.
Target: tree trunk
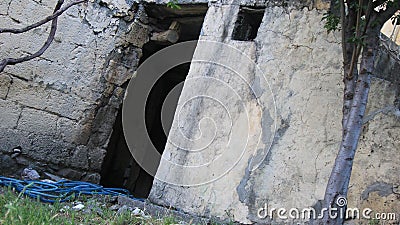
{"x": 349, "y": 78}
{"x": 335, "y": 195}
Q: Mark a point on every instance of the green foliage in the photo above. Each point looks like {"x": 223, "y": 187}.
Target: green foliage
{"x": 331, "y": 22}
{"x": 373, "y": 222}
{"x": 19, "y": 210}
{"x": 354, "y": 5}
{"x": 173, "y": 4}
{"x": 358, "y": 40}
{"x": 374, "y": 23}
{"x": 169, "y": 220}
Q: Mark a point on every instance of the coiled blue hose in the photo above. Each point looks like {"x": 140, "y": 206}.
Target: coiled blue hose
{"x": 61, "y": 191}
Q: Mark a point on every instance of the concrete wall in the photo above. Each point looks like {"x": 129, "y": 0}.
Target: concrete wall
{"x": 274, "y": 112}
{"x": 60, "y": 107}
{"x": 263, "y": 129}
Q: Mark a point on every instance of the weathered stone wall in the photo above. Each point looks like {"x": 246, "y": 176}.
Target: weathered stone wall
{"x": 283, "y": 92}
{"x": 288, "y": 78}
{"x": 60, "y": 107}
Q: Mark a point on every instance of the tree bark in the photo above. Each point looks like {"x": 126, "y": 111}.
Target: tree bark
{"x": 338, "y": 183}
{"x": 350, "y": 75}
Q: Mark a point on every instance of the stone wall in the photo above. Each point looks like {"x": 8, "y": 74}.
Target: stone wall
{"x": 60, "y": 107}
{"x": 264, "y": 128}
{"x": 282, "y": 91}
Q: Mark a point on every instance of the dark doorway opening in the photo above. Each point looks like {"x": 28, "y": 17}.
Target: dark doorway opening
{"x": 247, "y": 23}
{"x": 119, "y": 168}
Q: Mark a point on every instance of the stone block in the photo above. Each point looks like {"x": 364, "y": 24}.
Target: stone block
{"x": 37, "y": 121}
{"x": 5, "y": 82}
{"x": 5, "y": 21}
{"x": 11, "y": 138}
{"x": 47, "y": 149}
{"x": 23, "y": 70}
{"x": 103, "y": 124}
{"x": 37, "y": 151}
{"x": 79, "y": 158}
{"x": 72, "y": 131}
{"x": 36, "y": 147}
{"x": 26, "y": 11}
{"x": 4, "y": 7}
{"x": 43, "y": 98}
{"x": 10, "y": 113}
{"x": 96, "y": 158}
{"x": 137, "y": 35}
{"x": 122, "y": 65}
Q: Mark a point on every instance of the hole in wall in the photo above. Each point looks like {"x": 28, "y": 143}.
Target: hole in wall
{"x": 247, "y": 23}
{"x": 119, "y": 169}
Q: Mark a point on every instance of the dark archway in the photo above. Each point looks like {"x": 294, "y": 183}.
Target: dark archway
{"x": 119, "y": 169}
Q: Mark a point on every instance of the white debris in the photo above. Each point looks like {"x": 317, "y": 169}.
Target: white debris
{"x": 30, "y": 174}
{"x": 138, "y": 212}
{"x": 123, "y": 209}
{"x": 115, "y": 207}
{"x": 78, "y": 207}
{"x": 48, "y": 181}
{"x": 65, "y": 208}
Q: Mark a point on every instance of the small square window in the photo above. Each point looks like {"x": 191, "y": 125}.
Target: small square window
{"x": 247, "y": 23}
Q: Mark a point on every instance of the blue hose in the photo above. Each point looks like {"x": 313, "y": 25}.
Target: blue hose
{"x": 61, "y": 191}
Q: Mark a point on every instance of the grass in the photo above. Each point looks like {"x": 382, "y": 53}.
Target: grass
{"x": 15, "y": 209}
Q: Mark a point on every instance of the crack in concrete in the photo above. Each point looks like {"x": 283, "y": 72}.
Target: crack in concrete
{"x": 50, "y": 112}
{"x": 18, "y": 77}
{"x": 8, "y": 8}
{"x": 19, "y": 117}
{"x": 281, "y": 34}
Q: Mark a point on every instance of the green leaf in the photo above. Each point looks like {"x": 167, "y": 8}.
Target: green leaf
{"x": 10, "y": 206}
{"x": 331, "y": 21}
{"x": 173, "y": 4}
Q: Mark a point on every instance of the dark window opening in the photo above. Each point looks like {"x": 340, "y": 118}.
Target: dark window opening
{"x": 119, "y": 168}
{"x": 155, "y": 102}
{"x": 247, "y": 23}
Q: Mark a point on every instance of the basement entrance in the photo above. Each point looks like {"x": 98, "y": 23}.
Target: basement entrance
{"x": 119, "y": 168}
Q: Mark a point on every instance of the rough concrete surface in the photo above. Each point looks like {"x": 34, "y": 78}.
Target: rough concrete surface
{"x": 301, "y": 63}
{"x": 266, "y": 134}
{"x": 60, "y": 107}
